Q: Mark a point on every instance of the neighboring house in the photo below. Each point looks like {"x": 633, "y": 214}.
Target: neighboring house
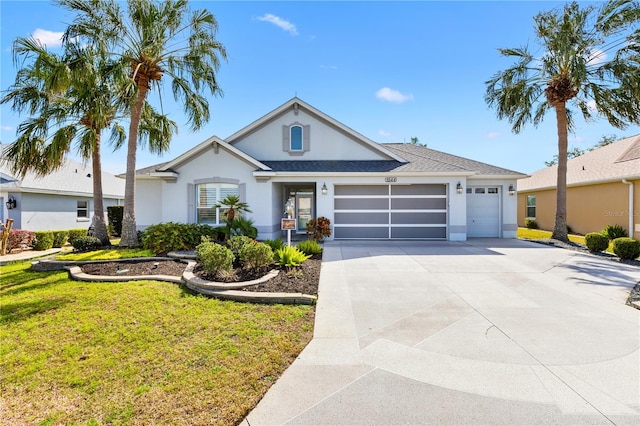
{"x": 58, "y": 201}
{"x": 367, "y": 190}
{"x": 603, "y": 188}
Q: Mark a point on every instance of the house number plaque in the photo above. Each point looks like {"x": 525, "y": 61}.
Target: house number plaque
{"x": 391, "y": 179}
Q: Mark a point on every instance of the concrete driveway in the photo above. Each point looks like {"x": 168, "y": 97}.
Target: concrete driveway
{"x": 482, "y": 332}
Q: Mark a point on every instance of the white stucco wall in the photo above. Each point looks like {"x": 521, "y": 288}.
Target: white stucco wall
{"x": 326, "y": 142}
{"x": 509, "y": 206}
{"x": 149, "y": 198}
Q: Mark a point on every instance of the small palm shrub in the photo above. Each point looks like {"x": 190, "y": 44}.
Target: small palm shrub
{"x": 319, "y": 229}
{"x": 43, "y": 240}
{"x": 236, "y": 243}
{"x": 530, "y": 224}
{"x": 243, "y": 226}
{"x": 310, "y": 247}
{"x": 86, "y": 243}
{"x": 596, "y": 241}
{"x": 255, "y": 255}
{"x": 614, "y": 231}
{"x": 289, "y": 257}
{"x": 275, "y": 244}
{"x": 215, "y": 259}
{"x": 75, "y": 233}
{"x": 60, "y": 238}
{"x": 626, "y": 248}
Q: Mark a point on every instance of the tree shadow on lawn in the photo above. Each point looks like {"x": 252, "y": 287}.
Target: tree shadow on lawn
{"x": 16, "y": 282}
{"x": 21, "y": 311}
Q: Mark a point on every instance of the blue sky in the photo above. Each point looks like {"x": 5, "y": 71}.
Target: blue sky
{"x": 389, "y": 70}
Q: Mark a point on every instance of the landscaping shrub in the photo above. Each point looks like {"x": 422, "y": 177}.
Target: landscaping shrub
{"x": 43, "y": 240}
{"x": 310, "y": 247}
{"x": 596, "y": 241}
{"x": 20, "y": 239}
{"x": 86, "y": 243}
{"x": 60, "y": 238}
{"x": 626, "y": 248}
{"x": 614, "y": 231}
{"x": 215, "y": 259}
{"x": 255, "y": 255}
{"x": 530, "y": 224}
{"x": 569, "y": 230}
{"x": 243, "y": 226}
{"x": 114, "y": 219}
{"x": 275, "y": 244}
{"x": 236, "y": 243}
{"x": 171, "y": 236}
{"x": 319, "y": 229}
{"x": 289, "y": 257}
{"x": 73, "y": 234}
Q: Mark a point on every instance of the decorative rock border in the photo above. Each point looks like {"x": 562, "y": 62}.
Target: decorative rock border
{"x": 227, "y": 291}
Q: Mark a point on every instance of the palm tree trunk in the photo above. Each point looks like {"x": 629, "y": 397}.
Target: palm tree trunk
{"x": 129, "y": 237}
{"x": 560, "y": 227}
{"x": 99, "y": 226}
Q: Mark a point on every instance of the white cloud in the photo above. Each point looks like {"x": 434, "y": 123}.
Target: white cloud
{"x": 48, "y": 38}
{"x": 6, "y": 128}
{"x": 384, "y": 133}
{"x": 395, "y": 96}
{"x": 279, "y": 22}
{"x": 493, "y": 135}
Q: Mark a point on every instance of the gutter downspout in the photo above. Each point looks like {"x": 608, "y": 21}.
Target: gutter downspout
{"x": 630, "y": 206}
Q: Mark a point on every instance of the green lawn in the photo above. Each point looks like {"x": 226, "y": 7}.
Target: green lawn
{"x": 538, "y": 234}
{"x": 142, "y": 352}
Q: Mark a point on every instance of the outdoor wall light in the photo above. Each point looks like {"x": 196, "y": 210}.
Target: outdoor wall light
{"x": 512, "y": 190}
{"x": 11, "y": 203}
{"x": 324, "y": 189}
{"x": 459, "y": 188}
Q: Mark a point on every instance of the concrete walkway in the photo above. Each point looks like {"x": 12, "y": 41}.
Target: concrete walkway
{"x": 26, "y": 255}
{"x": 483, "y": 332}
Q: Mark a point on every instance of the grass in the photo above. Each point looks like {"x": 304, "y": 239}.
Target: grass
{"x": 142, "y": 352}
{"x": 110, "y": 254}
{"x": 539, "y": 234}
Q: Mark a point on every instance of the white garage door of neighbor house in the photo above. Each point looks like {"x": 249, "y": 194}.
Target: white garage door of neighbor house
{"x": 483, "y": 211}
{"x": 390, "y": 211}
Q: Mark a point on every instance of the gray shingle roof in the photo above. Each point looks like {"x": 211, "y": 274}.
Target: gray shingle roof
{"x": 423, "y": 159}
{"x": 333, "y": 166}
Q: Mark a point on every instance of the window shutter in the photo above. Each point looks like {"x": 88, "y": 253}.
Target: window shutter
{"x": 191, "y": 203}
{"x": 306, "y": 140}
{"x": 242, "y": 192}
{"x": 285, "y": 138}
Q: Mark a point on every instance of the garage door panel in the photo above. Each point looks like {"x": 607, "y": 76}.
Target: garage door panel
{"x": 361, "y": 203}
{"x": 390, "y": 211}
{"x": 419, "y": 190}
{"x": 483, "y": 212}
{"x": 420, "y": 233}
{"x": 361, "y": 232}
{"x": 418, "y": 203}
{"x": 362, "y": 190}
{"x": 407, "y": 218}
{"x": 362, "y": 218}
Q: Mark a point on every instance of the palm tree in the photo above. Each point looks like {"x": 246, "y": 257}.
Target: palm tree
{"x": 72, "y": 99}
{"x": 589, "y": 59}
{"x": 156, "y": 39}
{"x": 230, "y": 207}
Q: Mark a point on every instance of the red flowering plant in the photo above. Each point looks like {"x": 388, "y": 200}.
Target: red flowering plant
{"x": 319, "y": 229}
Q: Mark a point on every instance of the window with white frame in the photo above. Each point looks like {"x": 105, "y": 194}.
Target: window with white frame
{"x": 531, "y": 206}
{"x": 296, "y": 138}
{"x": 82, "y": 209}
{"x": 207, "y": 196}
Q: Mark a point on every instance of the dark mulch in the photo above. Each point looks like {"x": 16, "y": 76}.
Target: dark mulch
{"x": 303, "y": 279}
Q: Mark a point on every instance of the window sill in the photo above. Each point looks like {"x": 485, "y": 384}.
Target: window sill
{"x": 83, "y": 219}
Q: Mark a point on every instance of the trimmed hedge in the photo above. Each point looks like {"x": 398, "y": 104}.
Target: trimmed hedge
{"x": 172, "y": 236}
{"x": 530, "y": 224}
{"x": 86, "y": 244}
{"x": 60, "y": 238}
{"x": 626, "y": 248}
{"x": 43, "y": 240}
{"x": 216, "y": 259}
{"x": 596, "y": 241}
{"x": 76, "y": 233}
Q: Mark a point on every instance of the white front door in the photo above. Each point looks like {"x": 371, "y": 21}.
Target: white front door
{"x": 483, "y": 211}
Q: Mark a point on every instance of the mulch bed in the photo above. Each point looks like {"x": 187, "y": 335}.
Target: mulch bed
{"x": 303, "y": 279}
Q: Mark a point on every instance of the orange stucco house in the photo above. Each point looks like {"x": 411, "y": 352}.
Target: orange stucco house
{"x": 603, "y": 188}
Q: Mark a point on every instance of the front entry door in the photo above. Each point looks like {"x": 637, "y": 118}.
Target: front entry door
{"x": 304, "y": 210}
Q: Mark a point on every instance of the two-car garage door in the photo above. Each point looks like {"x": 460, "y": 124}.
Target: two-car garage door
{"x": 390, "y": 211}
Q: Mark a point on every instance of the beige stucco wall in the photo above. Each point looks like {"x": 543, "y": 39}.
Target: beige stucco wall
{"x": 589, "y": 208}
